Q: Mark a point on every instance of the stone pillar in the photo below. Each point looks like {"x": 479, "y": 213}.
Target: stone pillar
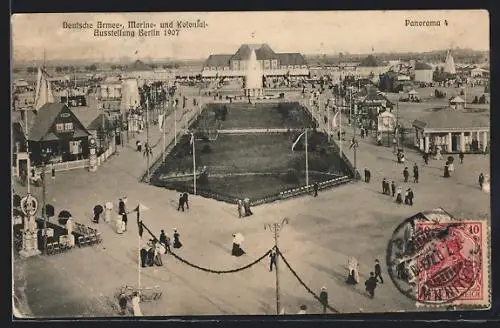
{"x": 485, "y": 140}
{"x": 71, "y": 237}
{"x": 462, "y": 142}
{"x": 30, "y": 238}
{"x": 448, "y": 143}
{"x": 426, "y": 143}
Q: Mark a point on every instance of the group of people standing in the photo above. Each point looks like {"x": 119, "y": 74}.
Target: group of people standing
{"x": 183, "y": 200}
{"x": 397, "y": 192}
{"x": 151, "y": 252}
{"x": 244, "y": 207}
{"x": 372, "y": 281}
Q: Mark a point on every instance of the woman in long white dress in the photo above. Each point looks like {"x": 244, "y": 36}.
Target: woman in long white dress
{"x": 486, "y": 184}
{"x": 135, "y": 305}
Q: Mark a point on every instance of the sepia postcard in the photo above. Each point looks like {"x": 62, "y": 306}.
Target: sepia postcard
{"x": 250, "y": 163}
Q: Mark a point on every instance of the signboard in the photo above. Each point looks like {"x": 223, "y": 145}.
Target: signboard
{"x": 29, "y": 205}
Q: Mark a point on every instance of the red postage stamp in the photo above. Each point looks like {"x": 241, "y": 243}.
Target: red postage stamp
{"x": 451, "y": 263}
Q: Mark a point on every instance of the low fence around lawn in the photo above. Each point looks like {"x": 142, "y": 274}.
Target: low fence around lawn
{"x": 289, "y": 193}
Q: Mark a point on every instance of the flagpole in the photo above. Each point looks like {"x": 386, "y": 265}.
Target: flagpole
{"x": 194, "y": 164}
{"x": 307, "y": 165}
{"x": 27, "y": 152}
{"x": 147, "y": 133}
{"x": 340, "y": 119}
{"x": 175, "y": 125}
{"x": 163, "y": 128}
{"x": 139, "y": 249}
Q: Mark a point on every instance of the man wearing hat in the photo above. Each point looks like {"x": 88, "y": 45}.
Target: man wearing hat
{"x": 410, "y": 196}
{"x": 323, "y": 296}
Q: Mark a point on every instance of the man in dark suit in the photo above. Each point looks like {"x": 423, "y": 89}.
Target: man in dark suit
{"x": 368, "y": 175}
{"x": 185, "y": 195}
{"x": 323, "y": 296}
{"x": 181, "y": 202}
{"x": 371, "y": 284}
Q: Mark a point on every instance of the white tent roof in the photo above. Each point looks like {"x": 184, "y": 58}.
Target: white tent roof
{"x": 457, "y": 99}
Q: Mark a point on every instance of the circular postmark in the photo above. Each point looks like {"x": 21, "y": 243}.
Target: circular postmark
{"x": 435, "y": 259}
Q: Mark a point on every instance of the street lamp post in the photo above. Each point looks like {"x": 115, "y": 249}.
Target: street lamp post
{"x": 275, "y": 228}
{"x": 44, "y": 205}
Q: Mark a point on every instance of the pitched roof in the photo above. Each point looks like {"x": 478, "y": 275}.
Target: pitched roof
{"x": 44, "y": 120}
{"x": 422, "y": 66}
{"x": 292, "y": 58}
{"x": 86, "y": 115}
{"x": 218, "y": 60}
{"x": 96, "y": 124}
{"x": 450, "y": 119}
{"x": 262, "y": 51}
{"x": 457, "y": 99}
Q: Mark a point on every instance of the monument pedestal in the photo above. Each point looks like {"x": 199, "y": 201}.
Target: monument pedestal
{"x": 30, "y": 243}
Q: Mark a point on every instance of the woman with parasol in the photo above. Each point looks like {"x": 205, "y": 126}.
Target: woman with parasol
{"x": 64, "y": 216}
{"x": 237, "y": 240}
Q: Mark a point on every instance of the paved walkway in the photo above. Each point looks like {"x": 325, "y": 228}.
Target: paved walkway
{"x": 353, "y": 220}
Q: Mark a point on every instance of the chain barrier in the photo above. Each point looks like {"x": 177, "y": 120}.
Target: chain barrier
{"x": 221, "y": 271}
{"x": 328, "y": 306}
{"x": 207, "y": 269}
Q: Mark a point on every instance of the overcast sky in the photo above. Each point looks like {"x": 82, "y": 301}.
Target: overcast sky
{"x": 305, "y": 32}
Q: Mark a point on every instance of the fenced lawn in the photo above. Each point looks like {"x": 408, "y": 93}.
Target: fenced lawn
{"x": 258, "y": 116}
{"x": 250, "y": 165}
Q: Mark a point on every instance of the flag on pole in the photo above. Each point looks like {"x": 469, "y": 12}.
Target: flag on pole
{"x": 298, "y": 139}
{"x": 139, "y": 209}
{"x": 334, "y": 120}
{"x": 191, "y": 141}
{"x": 160, "y": 122}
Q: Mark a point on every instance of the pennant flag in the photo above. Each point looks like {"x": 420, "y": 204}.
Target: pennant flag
{"x": 298, "y": 139}
{"x": 191, "y": 141}
{"x": 139, "y": 209}
{"x": 43, "y": 92}
{"x": 160, "y": 122}
{"x": 334, "y": 120}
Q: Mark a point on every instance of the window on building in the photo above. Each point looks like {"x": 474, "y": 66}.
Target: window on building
{"x": 267, "y": 64}
{"x": 283, "y": 66}
{"x": 206, "y": 68}
{"x": 60, "y": 127}
{"x": 235, "y": 65}
{"x": 68, "y": 127}
{"x": 274, "y": 64}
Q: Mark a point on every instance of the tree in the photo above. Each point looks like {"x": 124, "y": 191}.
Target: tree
{"x": 369, "y": 61}
{"x": 58, "y": 69}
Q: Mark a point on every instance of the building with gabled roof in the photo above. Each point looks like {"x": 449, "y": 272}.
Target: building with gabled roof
{"x": 56, "y": 133}
{"x": 272, "y": 63}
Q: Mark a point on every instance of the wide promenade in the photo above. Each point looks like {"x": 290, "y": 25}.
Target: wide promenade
{"x": 352, "y": 220}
